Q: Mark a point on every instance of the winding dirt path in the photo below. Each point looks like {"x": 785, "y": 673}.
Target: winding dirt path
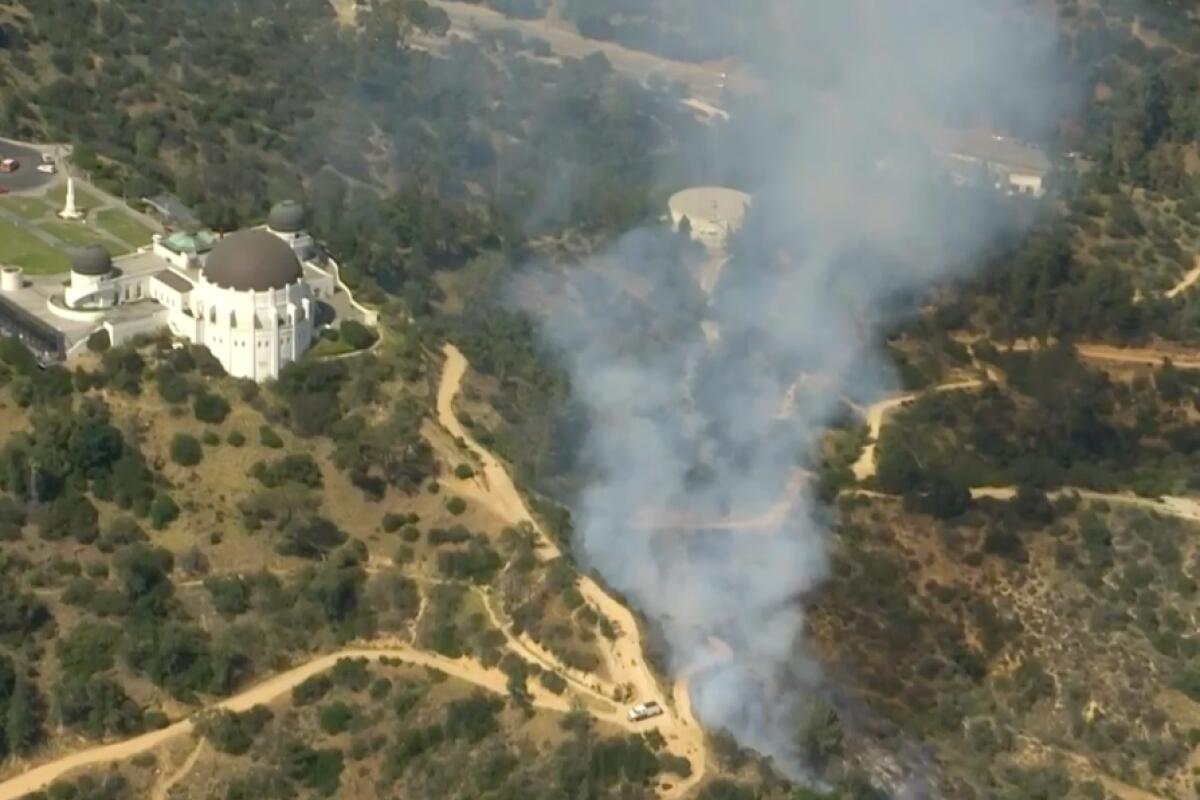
{"x": 493, "y": 486}
{"x": 464, "y": 669}
{"x": 163, "y": 788}
{"x": 769, "y": 520}
{"x": 868, "y": 463}
{"x": 1186, "y": 508}
{"x": 1186, "y": 282}
{"x": 1146, "y": 356}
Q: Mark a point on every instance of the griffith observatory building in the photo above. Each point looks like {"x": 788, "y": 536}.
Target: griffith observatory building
{"x": 251, "y": 297}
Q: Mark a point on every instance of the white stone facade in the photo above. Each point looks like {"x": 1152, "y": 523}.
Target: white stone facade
{"x": 253, "y": 334}
{"x": 253, "y": 331}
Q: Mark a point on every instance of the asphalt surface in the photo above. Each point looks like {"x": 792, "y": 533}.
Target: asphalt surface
{"x": 703, "y": 81}
{"x": 27, "y": 177}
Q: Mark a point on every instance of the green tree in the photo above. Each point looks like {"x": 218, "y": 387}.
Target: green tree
{"x": 186, "y": 450}
{"x": 23, "y": 725}
{"x": 209, "y": 407}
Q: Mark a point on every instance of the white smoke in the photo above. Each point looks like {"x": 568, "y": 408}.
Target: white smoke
{"x": 852, "y": 219}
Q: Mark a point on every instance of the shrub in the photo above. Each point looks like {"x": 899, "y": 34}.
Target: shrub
{"x": 206, "y": 362}
{"x": 357, "y": 335}
{"x": 186, "y": 450}
{"x": 236, "y": 439}
{"x": 296, "y": 468}
{"x": 210, "y": 439}
{"x": 336, "y": 717}
{"x": 479, "y": 563}
{"x": 71, "y": 515}
{"x": 99, "y": 341}
{"x": 163, "y": 511}
{"x": 320, "y": 770}
{"x": 209, "y": 407}
{"x": 79, "y": 592}
{"x": 172, "y": 386}
{"x": 474, "y": 718}
{"x": 464, "y": 471}
{"x": 352, "y": 674}
{"x": 233, "y": 733}
{"x": 269, "y": 438}
{"x": 454, "y": 535}
{"x": 230, "y": 594}
{"x": 393, "y": 522}
{"x": 553, "y": 682}
{"x": 456, "y": 505}
{"x": 311, "y": 690}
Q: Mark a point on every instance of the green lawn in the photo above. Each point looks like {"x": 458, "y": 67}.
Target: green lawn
{"x": 26, "y": 207}
{"x": 83, "y": 198}
{"x": 125, "y": 227}
{"x": 325, "y": 348}
{"x": 78, "y": 234}
{"x": 23, "y": 250}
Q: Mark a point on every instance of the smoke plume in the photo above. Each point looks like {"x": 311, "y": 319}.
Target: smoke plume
{"x": 705, "y": 410}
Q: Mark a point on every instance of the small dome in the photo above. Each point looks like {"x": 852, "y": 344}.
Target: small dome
{"x": 252, "y": 259}
{"x": 91, "y": 260}
{"x": 287, "y": 217}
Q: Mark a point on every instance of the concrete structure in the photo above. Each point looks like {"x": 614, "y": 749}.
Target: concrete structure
{"x": 70, "y": 212}
{"x": 713, "y": 212}
{"x": 250, "y": 297}
{"x": 11, "y": 279}
{"x": 1013, "y": 165}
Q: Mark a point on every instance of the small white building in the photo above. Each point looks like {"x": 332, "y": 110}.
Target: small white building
{"x": 250, "y": 297}
{"x": 1012, "y": 165}
{"x": 712, "y": 212}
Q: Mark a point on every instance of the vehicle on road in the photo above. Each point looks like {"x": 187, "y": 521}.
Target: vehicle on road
{"x": 49, "y": 169}
{"x": 9, "y": 165}
{"x": 644, "y": 711}
{"x": 48, "y": 158}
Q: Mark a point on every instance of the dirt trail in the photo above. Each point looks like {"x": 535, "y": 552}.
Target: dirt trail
{"x": 627, "y": 664}
{"x": 1146, "y": 356}
{"x": 768, "y": 521}
{"x": 1187, "y": 508}
{"x": 524, "y": 645}
{"x": 704, "y": 80}
{"x": 867, "y": 463}
{"x": 162, "y": 789}
{"x": 492, "y": 485}
{"x": 464, "y": 669}
{"x": 1149, "y": 356}
{"x": 1186, "y": 282}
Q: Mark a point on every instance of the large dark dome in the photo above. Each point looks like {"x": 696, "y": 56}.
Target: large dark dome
{"x": 252, "y": 259}
{"x": 91, "y": 260}
{"x": 287, "y": 217}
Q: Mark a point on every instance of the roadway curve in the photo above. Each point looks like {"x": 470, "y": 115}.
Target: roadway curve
{"x": 464, "y": 669}
{"x": 701, "y": 79}
{"x": 494, "y": 487}
{"x": 868, "y": 463}
{"x": 1186, "y": 282}
{"x": 1185, "y": 508}
{"x": 624, "y": 655}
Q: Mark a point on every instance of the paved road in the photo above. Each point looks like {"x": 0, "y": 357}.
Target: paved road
{"x": 27, "y": 178}
{"x": 702, "y": 80}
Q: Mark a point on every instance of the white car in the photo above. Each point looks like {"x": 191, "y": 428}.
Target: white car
{"x": 643, "y": 711}
{"x": 49, "y": 169}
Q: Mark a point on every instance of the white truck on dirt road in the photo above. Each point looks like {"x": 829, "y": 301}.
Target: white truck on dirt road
{"x": 643, "y": 711}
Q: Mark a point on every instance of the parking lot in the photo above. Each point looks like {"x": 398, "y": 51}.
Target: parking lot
{"x": 27, "y": 177}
